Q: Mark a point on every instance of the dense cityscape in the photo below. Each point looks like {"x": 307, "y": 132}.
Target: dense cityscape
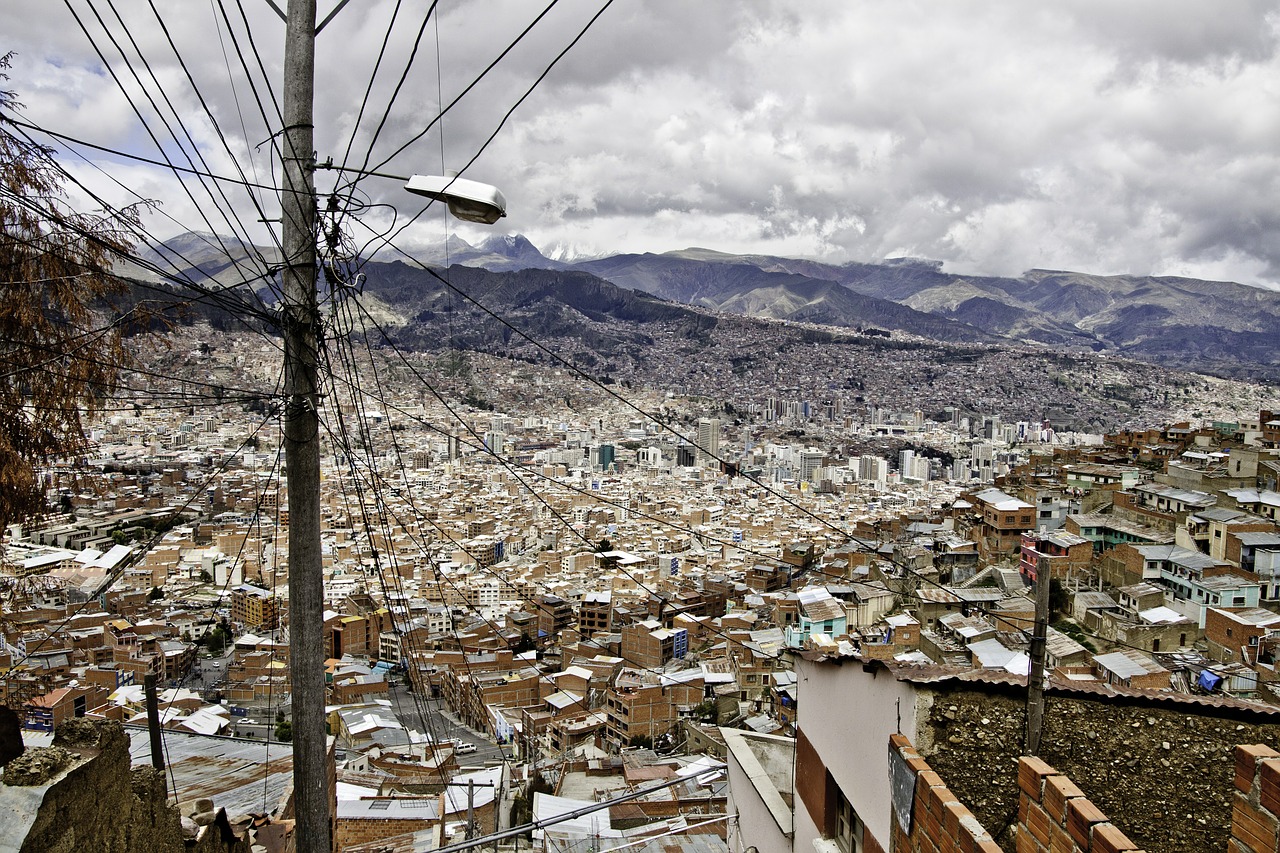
{"x": 542, "y": 597}
{"x": 594, "y": 427}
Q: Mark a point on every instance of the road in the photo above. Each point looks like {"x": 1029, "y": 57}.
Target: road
{"x": 444, "y": 725}
{"x": 213, "y": 670}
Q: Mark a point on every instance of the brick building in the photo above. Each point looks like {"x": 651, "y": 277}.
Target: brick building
{"x": 1234, "y": 633}
{"x": 1063, "y": 554}
{"x": 997, "y": 522}
{"x": 595, "y": 613}
{"x": 649, "y": 645}
{"x": 644, "y": 705}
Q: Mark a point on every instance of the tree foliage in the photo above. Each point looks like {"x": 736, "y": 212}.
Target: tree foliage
{"x": 59, "y": 355}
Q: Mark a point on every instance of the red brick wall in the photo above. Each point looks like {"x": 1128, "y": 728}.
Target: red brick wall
{"x": 939, "y": 820}
{"x": 1054, "y": 816}
{"x": 1256, "y": 802}
{"x": 1216, "y": 625}
{"x": 352, "y": 831}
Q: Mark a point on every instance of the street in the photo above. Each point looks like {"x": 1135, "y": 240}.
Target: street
{"x": 444, "y": 725}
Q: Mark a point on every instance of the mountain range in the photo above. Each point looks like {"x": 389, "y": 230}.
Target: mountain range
{"x": 1220, "y": 328}
{"x": 1216, "y": 327}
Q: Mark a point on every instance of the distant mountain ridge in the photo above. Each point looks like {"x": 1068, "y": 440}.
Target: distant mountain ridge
{"x": 1221, "y": 328}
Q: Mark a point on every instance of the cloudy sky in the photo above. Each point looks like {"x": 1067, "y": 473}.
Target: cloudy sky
{"x": 1134, "y": 137}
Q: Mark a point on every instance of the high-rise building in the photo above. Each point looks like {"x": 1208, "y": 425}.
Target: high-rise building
{"x": 602, "y": 456}
{"x": 708, "y": 441}
{"x": 810, "y": 465}
{"x": 872, "y": 468}
{"x": 496, "y": 442}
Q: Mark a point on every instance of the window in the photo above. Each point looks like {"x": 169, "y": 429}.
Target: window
{"x": 849, "y": 829}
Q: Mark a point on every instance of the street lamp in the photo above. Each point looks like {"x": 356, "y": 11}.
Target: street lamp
{"x": 470, "y": 201}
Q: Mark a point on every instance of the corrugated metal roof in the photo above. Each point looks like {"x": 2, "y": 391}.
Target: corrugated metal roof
{"x": 242, "y": 776}
{"x": 1224, "y": 706}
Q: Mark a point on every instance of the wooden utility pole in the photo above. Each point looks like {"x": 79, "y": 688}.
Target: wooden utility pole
{"x": 153, "y": 722}
{"x": 1039, "y": 639}
{"x": 301, "y": 324}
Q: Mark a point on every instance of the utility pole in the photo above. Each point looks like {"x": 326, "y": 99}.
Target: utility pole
{"x": 1039, "y": 639}
{"x": 301, "y": 324}
{"x": 153, "y": 722}
{"x": 471, "y": 808}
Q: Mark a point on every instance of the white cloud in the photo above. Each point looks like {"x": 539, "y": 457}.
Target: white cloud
{"x": 1131, "y": 137}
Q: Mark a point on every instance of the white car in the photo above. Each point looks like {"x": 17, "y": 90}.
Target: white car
{"x": 465, "y": 748}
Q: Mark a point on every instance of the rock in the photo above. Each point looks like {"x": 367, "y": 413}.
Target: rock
{"x": 190, "y": 829}
{"x": 36, "y": 766}
{"x": 78, "y": 732}
{"x": 204, "y": 804}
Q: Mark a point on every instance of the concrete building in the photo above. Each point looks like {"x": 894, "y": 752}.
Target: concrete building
{"x": 708, "y": 442}
{"x": 255, "y": 608}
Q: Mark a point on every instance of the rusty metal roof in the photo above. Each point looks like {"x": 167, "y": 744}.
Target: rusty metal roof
{"x": 241, "y": 775}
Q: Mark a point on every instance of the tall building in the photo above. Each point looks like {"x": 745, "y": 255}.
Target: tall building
{"x": 872, "y": 468}
{"x": 810, "y": 465}
{"x": 708, "y": 441}
{"x": 496, "y": 442}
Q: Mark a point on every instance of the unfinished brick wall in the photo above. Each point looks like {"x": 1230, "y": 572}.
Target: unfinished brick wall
{"x": 1054, "y": 815}
{"x": 940, "y": 822}
{"x": 1255, "y": 806}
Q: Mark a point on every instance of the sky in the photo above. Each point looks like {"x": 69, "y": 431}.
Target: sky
{"x": 1111, "y": 138}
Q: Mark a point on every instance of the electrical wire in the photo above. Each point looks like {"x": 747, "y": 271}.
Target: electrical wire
{"x": 137, "y": 158}
{"x": 142, "y": 120}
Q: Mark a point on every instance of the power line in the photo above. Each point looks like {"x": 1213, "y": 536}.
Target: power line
{"x": 138, "y": 112}
{"x": 440, "y": 115}
{"x": 77, "y": 227}
{"x": 125, "y": 155}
